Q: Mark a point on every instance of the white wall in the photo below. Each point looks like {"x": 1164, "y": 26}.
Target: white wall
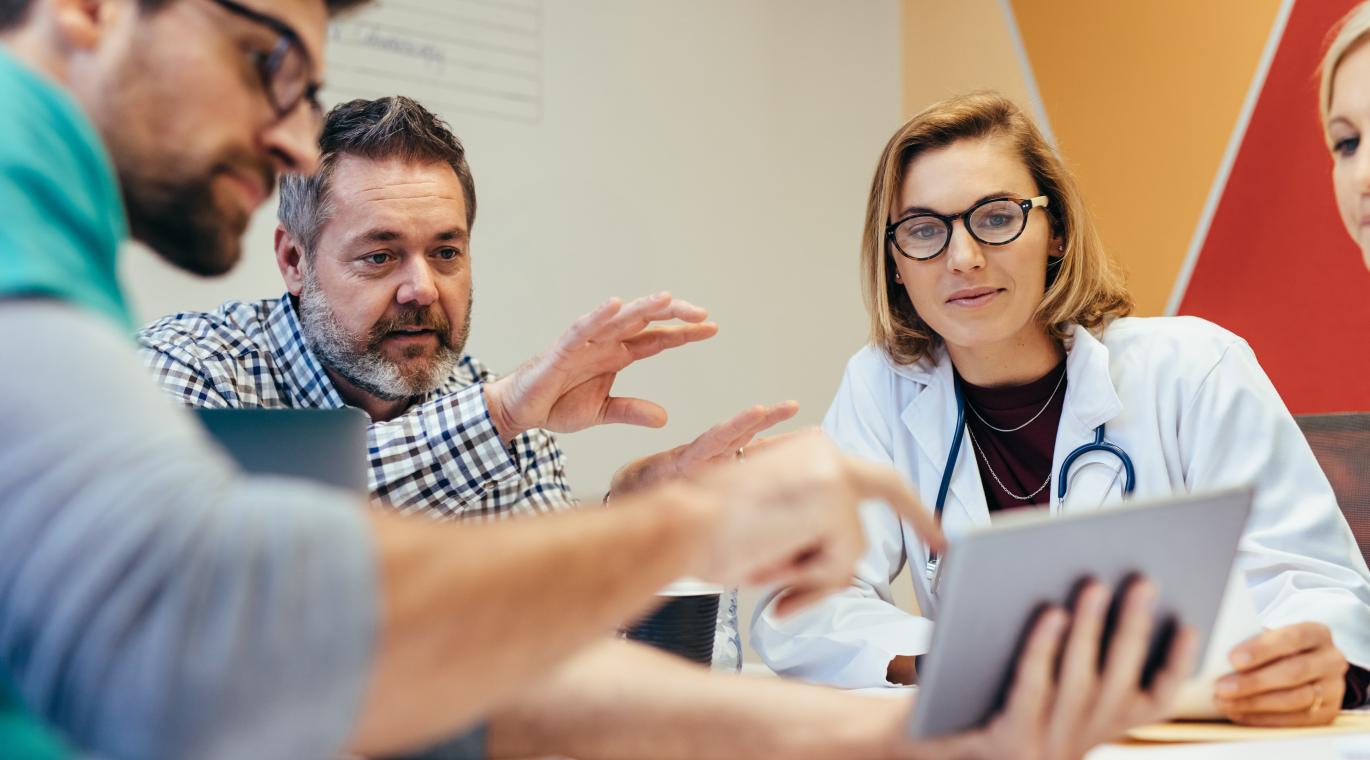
{"x": 715, "y": 148}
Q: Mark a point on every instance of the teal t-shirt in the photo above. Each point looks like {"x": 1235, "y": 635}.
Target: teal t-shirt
{"x": 61, "y": 222}
{"x": 21, "y": 736}
{"x": 61, "y": 214}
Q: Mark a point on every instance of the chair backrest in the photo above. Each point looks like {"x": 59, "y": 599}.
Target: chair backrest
{"x": 1341, "y": 442}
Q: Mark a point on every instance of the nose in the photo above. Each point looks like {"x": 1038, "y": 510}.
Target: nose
{"x": 1362, "y": 170}
{"x": 964, "y": 253}
{"x": 419, "y": 287}
{"x": 293, "y": 141}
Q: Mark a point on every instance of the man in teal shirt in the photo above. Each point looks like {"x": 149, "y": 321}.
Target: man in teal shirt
{"x": 156, "y": 603}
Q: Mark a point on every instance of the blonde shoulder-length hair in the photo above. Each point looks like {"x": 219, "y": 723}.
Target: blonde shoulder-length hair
{"x": 1346, "y": 35}
{"x": 1083, "y": 286}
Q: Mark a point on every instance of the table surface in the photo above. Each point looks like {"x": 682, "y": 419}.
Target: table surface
{"x": 1340, "y": 746}
{"x": 1349, "y": 747}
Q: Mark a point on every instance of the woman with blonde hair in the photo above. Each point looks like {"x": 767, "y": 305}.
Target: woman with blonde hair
{"x": 1004, "y": 373}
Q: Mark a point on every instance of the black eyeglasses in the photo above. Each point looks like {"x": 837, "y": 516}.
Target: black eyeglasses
{"x": 286, "y": 71}
{"x": 995, "y": 221}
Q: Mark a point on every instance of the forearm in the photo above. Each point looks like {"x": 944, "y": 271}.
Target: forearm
{"x": 471, "y": 613}
{"x": 621, "y": 700}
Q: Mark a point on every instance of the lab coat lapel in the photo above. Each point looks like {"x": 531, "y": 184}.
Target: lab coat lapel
{"x": 931, "y": 418}
{"x": 1091, "y": 401}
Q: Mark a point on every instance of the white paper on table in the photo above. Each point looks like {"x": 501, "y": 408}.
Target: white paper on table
{"x": 1237, "y": 622}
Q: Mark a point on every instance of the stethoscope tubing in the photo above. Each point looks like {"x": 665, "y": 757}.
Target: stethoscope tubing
{"x": 1098, "y": 444}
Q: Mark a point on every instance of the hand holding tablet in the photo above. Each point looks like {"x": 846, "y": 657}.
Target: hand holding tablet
{"x": 999, "y": 580}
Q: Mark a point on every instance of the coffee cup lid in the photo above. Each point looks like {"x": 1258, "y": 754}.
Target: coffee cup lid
{"x": 690, "y": 587}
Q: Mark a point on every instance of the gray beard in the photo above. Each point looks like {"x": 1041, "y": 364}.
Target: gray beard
{"x": 364, "y": 366}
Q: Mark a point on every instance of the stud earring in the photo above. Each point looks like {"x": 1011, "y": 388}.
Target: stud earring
{"x": 1061, "y": 247}
{"x": 898, "y": 278}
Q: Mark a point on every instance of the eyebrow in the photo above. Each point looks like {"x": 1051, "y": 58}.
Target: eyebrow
{"x": 1340, "y": 119}
{"x": 914, "y": 210}
{"x": 382, "y": 235}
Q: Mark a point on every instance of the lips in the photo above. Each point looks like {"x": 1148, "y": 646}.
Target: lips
{"x": 973, "y": 296}
{"x": 411, "y": 332}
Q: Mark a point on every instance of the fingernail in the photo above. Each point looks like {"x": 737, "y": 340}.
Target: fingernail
{"x": 1241, "y": 658}
{"x": 1226, "y": 686}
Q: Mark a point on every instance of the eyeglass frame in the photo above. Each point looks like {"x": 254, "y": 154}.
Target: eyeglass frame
{"x": 1025, "y": 204}
{"x": 267, "y": 64}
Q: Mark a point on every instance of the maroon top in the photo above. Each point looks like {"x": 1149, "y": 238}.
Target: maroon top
{"x": 1021, "y": 459}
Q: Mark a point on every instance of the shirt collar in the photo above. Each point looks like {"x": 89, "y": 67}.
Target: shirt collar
{"x": 303, "y": 375}
{"x": 63, "y": 214}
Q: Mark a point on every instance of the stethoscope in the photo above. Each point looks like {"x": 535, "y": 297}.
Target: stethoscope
{"x": 1098, "y": 444}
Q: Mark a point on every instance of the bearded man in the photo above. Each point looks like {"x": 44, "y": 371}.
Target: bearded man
{"x": 375, "y": 252}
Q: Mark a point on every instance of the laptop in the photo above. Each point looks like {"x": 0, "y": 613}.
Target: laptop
{"x": 324, "y": 445}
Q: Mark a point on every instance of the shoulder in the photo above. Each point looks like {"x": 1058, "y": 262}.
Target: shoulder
{"x": 869, "y": 361}
{"x": 232, "y": 331}
{"x": 1197, "y": 342}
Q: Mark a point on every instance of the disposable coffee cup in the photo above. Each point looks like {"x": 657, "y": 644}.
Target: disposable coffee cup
{"x": 684, "y": 622}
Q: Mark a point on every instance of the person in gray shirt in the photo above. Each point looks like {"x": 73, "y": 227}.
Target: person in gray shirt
{"x": 157, "y": 603}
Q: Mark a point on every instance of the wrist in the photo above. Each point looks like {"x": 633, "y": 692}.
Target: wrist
{"x": 646, "y": 472}
{"x": 493, "y": 392}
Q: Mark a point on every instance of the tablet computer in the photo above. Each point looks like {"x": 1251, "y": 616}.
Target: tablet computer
{"x": 324, "y": 445}
{"x": 994, "y": 580}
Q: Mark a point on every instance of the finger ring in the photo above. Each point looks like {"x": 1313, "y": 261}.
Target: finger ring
{"x": 739, "y": 453}
{"x": 1317, "y": 699}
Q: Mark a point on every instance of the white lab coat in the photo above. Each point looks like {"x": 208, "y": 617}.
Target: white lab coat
{"x": 1191, "y": 406}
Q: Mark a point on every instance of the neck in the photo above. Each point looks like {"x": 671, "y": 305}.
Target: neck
{"x": 379, "y": 409}
{"x": 32, "y": 47}
{"x": 1020, "y": 359}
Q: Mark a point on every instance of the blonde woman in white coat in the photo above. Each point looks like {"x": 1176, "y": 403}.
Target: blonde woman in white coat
{"x": 985, "y": 278}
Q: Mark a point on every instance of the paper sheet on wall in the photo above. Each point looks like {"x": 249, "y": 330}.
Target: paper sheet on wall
{"x": 1237, "y": 621}
{"x": 480, "y": 57}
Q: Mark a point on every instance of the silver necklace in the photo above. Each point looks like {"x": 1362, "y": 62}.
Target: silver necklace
{"x": 1039, "y": 413}
{"x": 995, "y": 475}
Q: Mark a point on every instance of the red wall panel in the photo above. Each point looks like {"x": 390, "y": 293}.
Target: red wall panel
{"x": 1276, "y": 266}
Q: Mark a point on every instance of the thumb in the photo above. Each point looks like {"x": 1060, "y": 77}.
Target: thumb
{"x": 632, "y": 411}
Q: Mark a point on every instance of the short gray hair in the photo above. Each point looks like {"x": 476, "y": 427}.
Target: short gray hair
{"x": 391, "y": 127}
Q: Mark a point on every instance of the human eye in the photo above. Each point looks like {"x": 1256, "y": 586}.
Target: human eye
{"x": 377, "y": 258}
{"x": 996, "y": 219}
{"x": 448, "y": 253}
{"x": 926, "y": 230}
{"x": 1346, "y": 146}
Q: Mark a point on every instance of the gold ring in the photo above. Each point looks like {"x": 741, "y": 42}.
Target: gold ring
{"x": 739, "y": 453}
{"x": 1317, "y": 699}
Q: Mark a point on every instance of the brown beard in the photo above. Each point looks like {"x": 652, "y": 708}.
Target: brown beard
{"x": 176, "y": 214}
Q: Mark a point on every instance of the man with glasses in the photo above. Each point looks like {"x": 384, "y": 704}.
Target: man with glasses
{"x": 159, "y": 604}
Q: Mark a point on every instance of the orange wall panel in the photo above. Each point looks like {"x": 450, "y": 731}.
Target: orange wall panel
{"x": 1142, "y": 98}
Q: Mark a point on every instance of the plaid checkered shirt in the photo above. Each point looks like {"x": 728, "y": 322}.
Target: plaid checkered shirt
{"x": 443, "y": 456}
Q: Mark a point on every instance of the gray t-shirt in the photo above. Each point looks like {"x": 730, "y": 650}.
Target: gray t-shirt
{"x": 155, "y": 602}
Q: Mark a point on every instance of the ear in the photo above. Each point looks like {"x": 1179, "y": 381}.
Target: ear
{"x": 290, "y": 260}
{"x": 80, "y": 24}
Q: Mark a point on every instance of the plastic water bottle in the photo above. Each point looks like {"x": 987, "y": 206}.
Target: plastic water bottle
{"x": 727, "y": 635}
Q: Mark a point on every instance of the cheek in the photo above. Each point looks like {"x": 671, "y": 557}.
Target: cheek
{"x": 358, "y": 309}
{"x": 1348, "y": 201}
{"x": 922, "y": 286}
